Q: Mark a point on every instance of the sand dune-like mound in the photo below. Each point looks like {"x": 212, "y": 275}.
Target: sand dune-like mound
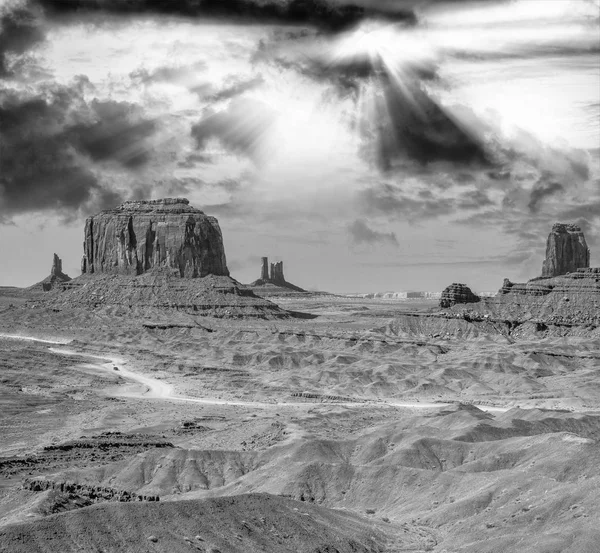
{"x": 242, "y": 524}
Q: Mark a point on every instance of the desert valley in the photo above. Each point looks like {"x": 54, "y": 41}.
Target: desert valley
{"x": 156, "y": 404}
{"x": 299, "y": 276}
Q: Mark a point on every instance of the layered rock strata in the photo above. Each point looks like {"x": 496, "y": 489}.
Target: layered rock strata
{"x": 457, "y": 293}
{"x": 94, "y": 494}
{"x": 139, "y": 236}
{"x": 566, "y": 250}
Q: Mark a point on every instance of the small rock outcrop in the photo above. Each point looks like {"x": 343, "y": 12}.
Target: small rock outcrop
{"x": 56, "y": 276}
{"x": 566, "y": 250}
{"x": 457, "y": 293}
{"x": 139, "y": 236}
{"x": 274, "y": 277}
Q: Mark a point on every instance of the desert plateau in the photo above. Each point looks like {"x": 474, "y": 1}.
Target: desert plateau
{"x": 299, "y": 276}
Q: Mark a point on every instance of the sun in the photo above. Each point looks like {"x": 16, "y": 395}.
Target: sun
{"x": 393, "y": 45}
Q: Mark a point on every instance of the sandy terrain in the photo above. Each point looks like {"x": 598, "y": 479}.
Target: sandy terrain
{"x": 372, "y": 427}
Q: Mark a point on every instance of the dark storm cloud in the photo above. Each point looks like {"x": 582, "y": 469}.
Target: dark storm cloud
{"x": 408, "y": 123}
{"x": 117, "y": 132}
{"x": 361, "y": 233}
{"x": 412, "y": 125}
{"x": 240, "y": 128}
{"x": 328, "y": 15}
{"x": 543, "y": 190}
{"x": 50, "y": 141}
{"x": 20, "y": 30}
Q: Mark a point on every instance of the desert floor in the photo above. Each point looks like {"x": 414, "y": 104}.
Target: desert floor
{"x": 370, "y": 427}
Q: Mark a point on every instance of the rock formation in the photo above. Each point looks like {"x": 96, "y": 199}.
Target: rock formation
{"x": 139, "y": 236}
{"x": 264, "y": 274}
{"x": 150, "y": 259}
{"x": 56, "y": 276}
{"x": 277, "y": 273}
{"x": 457, "y": 293}
{"x": 274, "y": 277}
{"x": 566, "y": 250}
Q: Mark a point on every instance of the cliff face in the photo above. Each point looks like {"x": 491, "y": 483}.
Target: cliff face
{"x": 566, "y": 251}
{"x": 139, "y": 236}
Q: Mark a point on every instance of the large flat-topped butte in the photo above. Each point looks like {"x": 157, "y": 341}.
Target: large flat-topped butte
{"x": 139, "y": 236}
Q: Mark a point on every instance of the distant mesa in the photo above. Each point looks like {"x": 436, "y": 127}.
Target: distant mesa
{"x": 139, "y": 236}
{"x": 56, "y": 277}
{"x": 274, "y": 277}
{"x": 566, "y": 250}
{"x": 457, "y": 293}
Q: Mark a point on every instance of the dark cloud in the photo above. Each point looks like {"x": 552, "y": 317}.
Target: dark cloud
{"x": 405, "y": 121}
{"x": 361, "y": 233}
{"x": 393, "y": 201}
{"x": 241, "y": 128}
{"x": 543, "y": 190}
{"x": 20, "y": 30}
{"x": 328, "y": 15}
{"x": 50, "y": 141}
{"x": 117, "y": 132}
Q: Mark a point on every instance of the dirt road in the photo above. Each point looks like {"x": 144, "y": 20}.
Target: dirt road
{"x": 154, "y": 388}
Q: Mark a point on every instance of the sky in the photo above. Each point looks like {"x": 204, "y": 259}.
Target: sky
{"x": 383, "y": 145}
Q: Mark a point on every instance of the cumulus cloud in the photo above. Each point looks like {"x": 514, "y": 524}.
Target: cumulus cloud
{"x": 116, "y": 131}
{"x": 50, "y": 143}
{"x": 232, "y": 90}
{"x": 21, "y": 30}
{"x": 543, "y": 190}
{"x": 167, "y": 73}
{"x": 240, "y": 128}
{"x": 395, "y": 202}
{"x": 361, "y": 233}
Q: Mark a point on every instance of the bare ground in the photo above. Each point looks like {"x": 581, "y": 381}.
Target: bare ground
{"x": 451, "y": 435}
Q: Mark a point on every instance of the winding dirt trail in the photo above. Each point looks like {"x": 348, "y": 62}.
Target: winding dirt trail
{"x": 157, "y": 389}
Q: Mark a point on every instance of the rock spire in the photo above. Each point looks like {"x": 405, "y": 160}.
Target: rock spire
{"x": 56, "y": 276}
{"x": 277, "y": 273}
{"x": 566, "y": 250}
